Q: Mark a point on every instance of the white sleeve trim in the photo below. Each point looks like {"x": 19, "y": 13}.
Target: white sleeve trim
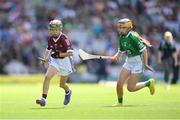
{"x": 143, "y": 49}
{"x": 70, "y": 50}
{"x": 120, "y": 50}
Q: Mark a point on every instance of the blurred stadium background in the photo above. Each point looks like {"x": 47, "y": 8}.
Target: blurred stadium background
{"x": 90, "y": 26}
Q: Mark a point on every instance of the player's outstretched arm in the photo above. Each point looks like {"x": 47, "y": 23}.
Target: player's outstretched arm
{"x": 113, "y": 58}
{"x": 47, "y": 54}
{"x": 66, "y": 54}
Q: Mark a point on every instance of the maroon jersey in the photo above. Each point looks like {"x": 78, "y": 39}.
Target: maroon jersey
{"x": 57, "y": 45}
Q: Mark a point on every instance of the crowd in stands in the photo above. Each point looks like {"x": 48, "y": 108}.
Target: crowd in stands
{"x": 90, "y": 25}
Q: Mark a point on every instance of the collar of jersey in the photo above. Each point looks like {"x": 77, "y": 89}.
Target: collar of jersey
{"x": 55, "y": 40}
{"x": 129, "y": 33}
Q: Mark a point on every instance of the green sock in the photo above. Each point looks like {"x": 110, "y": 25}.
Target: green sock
{"x": 147, "y": 83}
{"x": 120, "y": 100}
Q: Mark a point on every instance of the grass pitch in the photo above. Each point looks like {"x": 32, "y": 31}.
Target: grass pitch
{"x": 89, "y": 101}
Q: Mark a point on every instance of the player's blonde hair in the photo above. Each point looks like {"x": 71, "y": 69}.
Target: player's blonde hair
{"x": 144, "y": 41}
{"x": 125, "y": 23}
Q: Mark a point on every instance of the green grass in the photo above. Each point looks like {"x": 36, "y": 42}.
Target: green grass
{"x": 89, "y": 101}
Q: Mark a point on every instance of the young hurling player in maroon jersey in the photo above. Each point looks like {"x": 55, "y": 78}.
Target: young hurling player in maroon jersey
{"x": 59, "y": 54}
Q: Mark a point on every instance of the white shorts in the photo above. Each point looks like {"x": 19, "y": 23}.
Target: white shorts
{"x": 64, "y": 66}
{"x": 134, "y": 64}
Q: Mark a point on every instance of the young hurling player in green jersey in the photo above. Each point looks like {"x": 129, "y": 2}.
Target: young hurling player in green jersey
{"x": 135, "y": 48}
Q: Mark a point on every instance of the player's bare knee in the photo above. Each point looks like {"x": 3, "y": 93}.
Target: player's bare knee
{"x": 62, "y": 85}
{"x": 130, "y": 88}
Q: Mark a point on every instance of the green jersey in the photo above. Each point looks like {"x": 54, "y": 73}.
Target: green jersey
{"x": 131, "y": 44}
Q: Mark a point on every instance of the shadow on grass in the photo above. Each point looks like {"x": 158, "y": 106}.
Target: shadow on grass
{"x": 49, "y": 108}
{"x": 125, "y": 106}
